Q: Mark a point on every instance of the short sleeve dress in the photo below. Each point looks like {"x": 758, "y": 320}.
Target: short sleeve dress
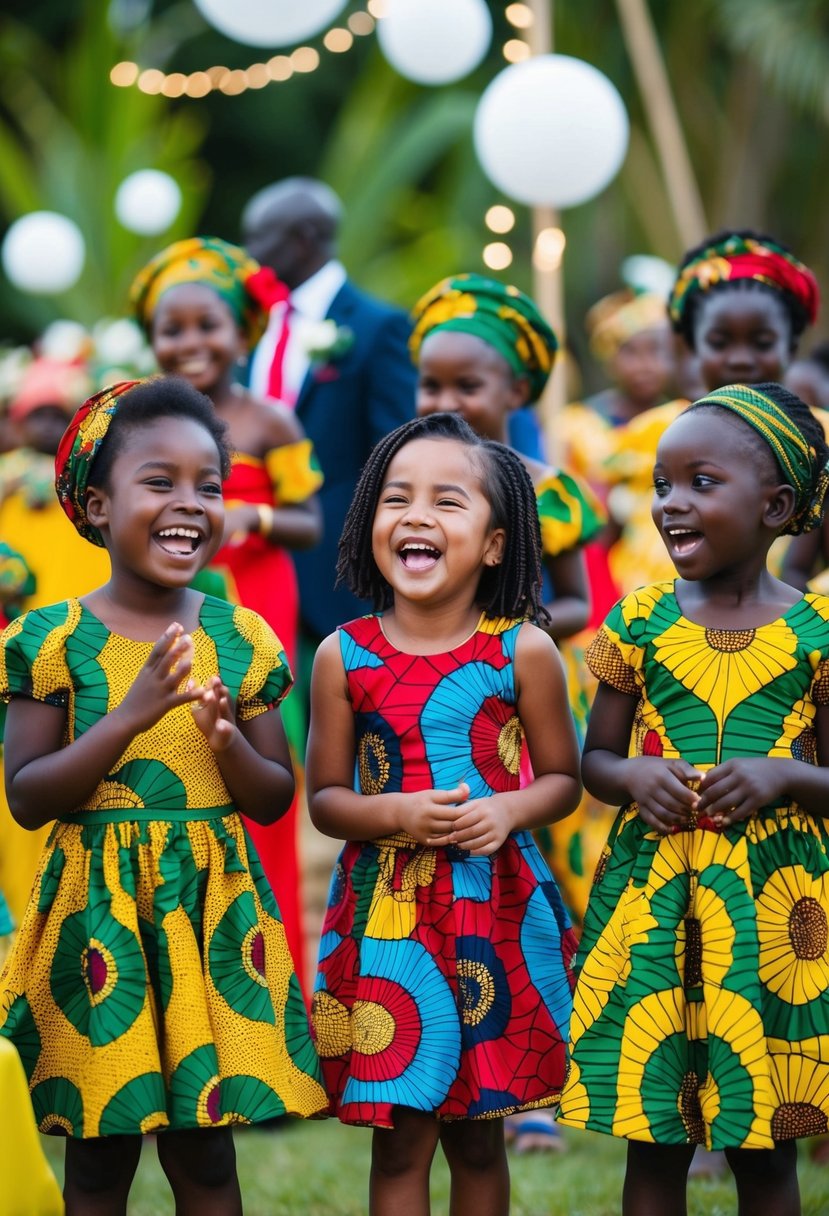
{"x": 444, "y": 981}
{"x": 701, "y": 1012}
{"x": 150, "y": 985}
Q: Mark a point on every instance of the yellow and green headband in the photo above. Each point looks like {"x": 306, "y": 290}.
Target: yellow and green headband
{"x": 797, "y": 459}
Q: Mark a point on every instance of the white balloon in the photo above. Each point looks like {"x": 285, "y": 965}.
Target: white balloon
{"x": 551, "y": 130}
{"x": 270, "y": 22}
{"x": 645, "y": 272}
{"x": 435, "y": 41}
{"x": 147, "y": 201}
{"x": 43, "y": 253}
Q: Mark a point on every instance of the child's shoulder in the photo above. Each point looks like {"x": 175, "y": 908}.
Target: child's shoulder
{"x": 229, "y": 624}
{"x": 37, "y": 624}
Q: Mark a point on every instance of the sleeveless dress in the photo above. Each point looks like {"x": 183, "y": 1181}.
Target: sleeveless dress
{"x": 443, "y": 981}
{"x": 262, "y": 576}
{"x": 701, "y": 1011}
{"x": 150, "y": 985}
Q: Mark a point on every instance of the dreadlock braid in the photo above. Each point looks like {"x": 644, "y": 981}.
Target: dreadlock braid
{"x": 511, "y": 589}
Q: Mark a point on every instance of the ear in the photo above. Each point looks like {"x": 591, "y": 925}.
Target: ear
{"x": 779, "y": 507}
{"x": 494, "y": 551}
{"x": 97, "y": 507}
{"x": 519, "y": 392}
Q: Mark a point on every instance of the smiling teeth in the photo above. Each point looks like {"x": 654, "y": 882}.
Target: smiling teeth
{"x": 419, "y": 549}
{"x": 188, "y": 533}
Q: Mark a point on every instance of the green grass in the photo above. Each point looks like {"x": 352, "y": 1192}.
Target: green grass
{"x": 316, "y": 1169}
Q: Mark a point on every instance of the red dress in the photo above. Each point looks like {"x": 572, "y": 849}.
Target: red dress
{"x": 261, "y": 576}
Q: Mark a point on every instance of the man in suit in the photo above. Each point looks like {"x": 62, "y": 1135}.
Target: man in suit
{"x": 338, "y": 356}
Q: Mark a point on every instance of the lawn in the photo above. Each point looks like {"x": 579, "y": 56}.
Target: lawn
{"x": 321, "y": 1169}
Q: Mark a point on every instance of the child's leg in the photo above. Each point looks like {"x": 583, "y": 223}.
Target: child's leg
{"x": 656, "y": 1179}
{"x": 201, "y": 1168}
{"x": 99, "y": 1174}
{"x": 477, "y": 1160}
{"x": 766, "y": 1180}
{"x": 401, "y": 1158}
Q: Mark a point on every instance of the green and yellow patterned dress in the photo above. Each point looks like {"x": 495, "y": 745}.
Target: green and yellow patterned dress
{"x": 150, "y": 985}
{"x": 701, "y": 1012}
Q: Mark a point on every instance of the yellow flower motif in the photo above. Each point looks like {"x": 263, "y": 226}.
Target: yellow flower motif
{"x": 393, "y": 907}
{"x": 801, "y": 1086}
{"x": 332, "y": 1025}
{"x": 707, "y": 664}
{"x": 793, "y": 929}
{"x": 608, "y": 963}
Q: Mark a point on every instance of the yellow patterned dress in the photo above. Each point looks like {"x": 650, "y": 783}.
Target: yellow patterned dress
{"x": 150, "y": 985}
{"x": 701, "y": 1012}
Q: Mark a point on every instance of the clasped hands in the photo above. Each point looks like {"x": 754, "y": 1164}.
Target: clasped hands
{"x": 673, "y": 796}
{"x": 440, "y": 818}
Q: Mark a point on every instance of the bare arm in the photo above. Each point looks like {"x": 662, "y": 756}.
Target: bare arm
{"x": 569, "y": 608}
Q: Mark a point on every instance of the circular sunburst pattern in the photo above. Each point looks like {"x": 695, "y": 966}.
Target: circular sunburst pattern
{"x": 236, "y": 960}
{"x": 379, "y": 763}
{"x": 472, "y": 694}
{"x": 138, "y": 1107}
{"x": 98, "y": 976}
{"x": 194, "y": 1090}
{"x": 20, "y": 1027}
{"x": 483, "y": 990}
{"x": 801, "y": 1085}
{"x": 58, "y": 1107}
{"x": 794, "y": 934}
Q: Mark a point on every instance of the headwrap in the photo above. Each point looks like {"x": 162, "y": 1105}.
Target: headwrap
{"x": 59, "y": 382}
{"x": 737, "y": 257}
{"x": 617, "y": 318}
{"x": 797, "y": 459}
{"x": 248, "y": 289}
{"x": 502, "y": 316}
{"x": 78, "y": 449}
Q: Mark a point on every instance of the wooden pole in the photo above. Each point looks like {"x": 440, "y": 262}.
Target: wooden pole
{"x": 663, "y": 120}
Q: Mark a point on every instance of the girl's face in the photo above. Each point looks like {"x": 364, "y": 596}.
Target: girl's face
{"x": 715, "y": 494}
{"x": 194, "y": 335}
{"x": 642, "y": 367}
{"x": 742, "y": 337}
{"x": 432, "y": 534}
{"x": 162, "y": 512}
{"x": 461, "y": 374}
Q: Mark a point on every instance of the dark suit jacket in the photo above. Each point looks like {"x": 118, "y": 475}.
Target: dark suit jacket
{"x": 346, "y": 406}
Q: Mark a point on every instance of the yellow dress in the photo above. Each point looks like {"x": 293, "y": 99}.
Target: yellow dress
{"x": 150, "y": 985}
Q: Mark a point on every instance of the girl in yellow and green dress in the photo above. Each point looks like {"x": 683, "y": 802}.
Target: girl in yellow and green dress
{"x": 701, "y": 1012}
{"x": 150, "y": 988}
{"x": 204, "y": 304}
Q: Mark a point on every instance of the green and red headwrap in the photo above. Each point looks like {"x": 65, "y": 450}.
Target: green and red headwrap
{"x": 737, "y": 257}
{"x": 503, "y": 316}
{"x": 248, "y": 289}
{"x": 798, "y": 460}
{"x": 78, "y": 449}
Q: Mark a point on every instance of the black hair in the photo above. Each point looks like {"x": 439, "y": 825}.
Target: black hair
{"x": 800, "y": 414}
{"x": 511, "y": 589}
{"x": 685, "y": 324}
{"x": 159, "y": 397}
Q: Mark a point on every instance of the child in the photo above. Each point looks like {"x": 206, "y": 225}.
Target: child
{"x": 204, "y": 304}
{"x": 442, "y": 993}
{"x": 701, "y": 1012}
{"x": 150, "y": 988}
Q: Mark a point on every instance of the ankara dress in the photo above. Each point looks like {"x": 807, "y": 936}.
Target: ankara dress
{"x": 150, "y": 985}
{"x": 261, "y": 576}
{"x": 701, "y": 1011}
{"x": 443, "y": 981}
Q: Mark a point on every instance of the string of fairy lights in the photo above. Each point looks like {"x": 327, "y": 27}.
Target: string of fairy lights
{"x": 499, "y": 219}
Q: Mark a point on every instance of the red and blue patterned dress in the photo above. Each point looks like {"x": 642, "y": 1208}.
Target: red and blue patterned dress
{"x": 444, "y": 979}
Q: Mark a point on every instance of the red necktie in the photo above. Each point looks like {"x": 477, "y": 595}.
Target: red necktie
{"x": 275, "y": 386}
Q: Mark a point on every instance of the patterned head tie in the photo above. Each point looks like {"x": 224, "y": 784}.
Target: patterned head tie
{"x": 78, "y": 448}
{"x": 502, "y": 316}
{"x": 737, "y": 257}
{"x": 248, "y": 289}
{"x": 617, "y": 318}
{"x": 798, "y": 460}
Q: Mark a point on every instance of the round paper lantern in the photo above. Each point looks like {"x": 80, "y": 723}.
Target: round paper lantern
{"x": 644, "y": 272}
{"x": 147, "y": 201}
{"x": 551, "y": 130}
{"x": 435, "y": 41}
{"x": 43, "y": 253}
{"x": 270, "y": 22}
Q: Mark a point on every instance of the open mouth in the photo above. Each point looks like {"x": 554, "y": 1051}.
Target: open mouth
{"x": 418, "y": 556}
{"x": 179, "y": 542}
{"x": 682, "y": 541}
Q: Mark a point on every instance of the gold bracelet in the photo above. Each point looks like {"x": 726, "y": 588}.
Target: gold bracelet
{"x": 265, "y": 514}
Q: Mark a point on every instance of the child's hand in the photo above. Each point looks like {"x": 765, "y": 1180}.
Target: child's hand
{"x": 480, "y": 828}
{"x": 162, "y": 683}
{"x": 429, "y": 815}
{"x": 213, "y": 713}
{"x": 665, "y": 791}
{"x": 736, "y": 789}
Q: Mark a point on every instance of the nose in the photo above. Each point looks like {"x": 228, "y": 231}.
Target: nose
{"x": 418, "y": 514}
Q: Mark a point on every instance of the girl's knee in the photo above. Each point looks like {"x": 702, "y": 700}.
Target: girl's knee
{"x": 402, "y": 1149}
{"x": 108, "y": 1163}
{"x": 200, "y": 1157}
{"x": 764, "y": 1167}
{"x": 474, "y": 1145}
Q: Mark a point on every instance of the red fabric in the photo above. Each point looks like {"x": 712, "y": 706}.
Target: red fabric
{"x": 779, "y": 271}
{"x": 603, "y": 591}
{"x": 265, "y": 580}
{"x": 275, "y": 375}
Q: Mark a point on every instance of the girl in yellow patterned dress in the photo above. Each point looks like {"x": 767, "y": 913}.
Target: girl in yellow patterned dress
{"x": 701, "y": 1013}
{"x": 150, "y": 988}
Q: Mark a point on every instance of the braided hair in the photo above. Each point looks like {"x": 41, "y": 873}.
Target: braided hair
{"x": 510, "y": 589}
{"x": 795, "y": 311}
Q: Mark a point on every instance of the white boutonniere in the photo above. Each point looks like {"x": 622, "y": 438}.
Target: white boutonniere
{"x": 324, "y": 341}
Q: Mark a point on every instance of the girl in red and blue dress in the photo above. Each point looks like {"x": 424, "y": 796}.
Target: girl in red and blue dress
{"x": 443, "y": 990}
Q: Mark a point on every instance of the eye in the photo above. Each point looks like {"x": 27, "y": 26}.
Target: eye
{"x": 393, "y": 500}
{"x": 158, "y": 482}
{"x": 702, "y": 481}
{"x": 449, "y": 502}
{"x": 213, "y": 488}
{"x": 661, "y": 486}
